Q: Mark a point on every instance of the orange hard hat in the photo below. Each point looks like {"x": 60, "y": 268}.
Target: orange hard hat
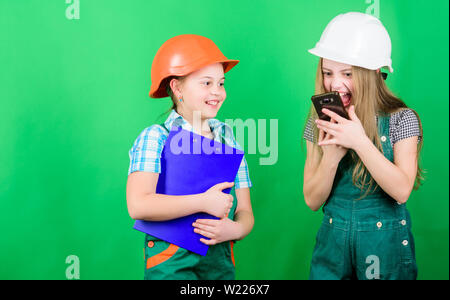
{"x": 181, "y": 55}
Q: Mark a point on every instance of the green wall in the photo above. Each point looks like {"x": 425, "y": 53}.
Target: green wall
{"x": 75, "y": 97}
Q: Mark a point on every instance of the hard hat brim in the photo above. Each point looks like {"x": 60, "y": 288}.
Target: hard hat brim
{"x": 328, "y": 54}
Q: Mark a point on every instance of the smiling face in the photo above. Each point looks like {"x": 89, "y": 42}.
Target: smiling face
{"x": 338, "y": 77}
{"x": 202, "y": 90}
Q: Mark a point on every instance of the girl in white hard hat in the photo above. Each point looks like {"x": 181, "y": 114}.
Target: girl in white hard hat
{"x": 363, "y": 169}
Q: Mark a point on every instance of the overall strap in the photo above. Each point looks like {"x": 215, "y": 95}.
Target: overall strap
{"x": 383, "y": 132}
{"x": 222, "y": 138}
{"x": 164, "y": 126}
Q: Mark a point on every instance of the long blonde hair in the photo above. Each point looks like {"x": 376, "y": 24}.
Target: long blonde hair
{"x": 371, "y": 97}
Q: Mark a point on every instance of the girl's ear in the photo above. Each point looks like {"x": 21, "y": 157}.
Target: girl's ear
{"x": 378, "y": 71}
{"x": 175, "y": 86}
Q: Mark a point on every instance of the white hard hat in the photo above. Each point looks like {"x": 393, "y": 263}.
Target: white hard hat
{"x": 356, "y": 39}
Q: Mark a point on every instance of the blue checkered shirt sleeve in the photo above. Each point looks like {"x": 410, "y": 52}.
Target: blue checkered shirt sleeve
{"x": 242, "y": 179}
{"x": 145, "y": 155}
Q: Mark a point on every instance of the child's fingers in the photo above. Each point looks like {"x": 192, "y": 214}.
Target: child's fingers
{"x": 328, "y": 142}
{"x": 328, "y": 129}
{"x": 206, "y": 222}
{"x": 352, "y": 115}
{"x": 203, "y": 227}
{"x": 208, "y": 242}
{"x": 204, "y": 233}
{"x": 326, "y": 136}
{"x": 333, "y": 115}
{"x": 321, "y": 135}
{"x": 224, "y": 185}
{"x": 324, "y": 124}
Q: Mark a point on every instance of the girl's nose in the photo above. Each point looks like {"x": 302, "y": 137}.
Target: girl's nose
{"x": 337, "y": 85}
{"x": 215, "y": 90}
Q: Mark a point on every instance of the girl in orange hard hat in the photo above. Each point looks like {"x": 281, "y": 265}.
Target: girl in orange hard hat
{"x": 190, "y": 69}
{"x": 362, "y": 169}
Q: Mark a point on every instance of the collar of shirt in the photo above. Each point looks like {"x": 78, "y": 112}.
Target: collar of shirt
{"x": 216, "y": 126}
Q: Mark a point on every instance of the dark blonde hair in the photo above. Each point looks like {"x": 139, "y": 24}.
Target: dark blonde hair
{"x": 371, "y": 97}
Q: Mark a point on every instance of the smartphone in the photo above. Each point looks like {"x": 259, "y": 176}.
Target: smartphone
{"x": 331, "y": 101}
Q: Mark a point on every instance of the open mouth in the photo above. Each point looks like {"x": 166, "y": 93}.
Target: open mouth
{"x": 346, "y": 98}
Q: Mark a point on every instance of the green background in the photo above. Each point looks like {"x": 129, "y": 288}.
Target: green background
{"x": 75, "y": 97}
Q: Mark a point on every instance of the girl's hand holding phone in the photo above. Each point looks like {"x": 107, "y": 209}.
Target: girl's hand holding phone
{"x": 346, "y": 133}
{"x": 332, "y": 153}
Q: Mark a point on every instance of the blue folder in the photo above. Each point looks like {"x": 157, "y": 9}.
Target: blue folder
{"x": 190, "y": 164}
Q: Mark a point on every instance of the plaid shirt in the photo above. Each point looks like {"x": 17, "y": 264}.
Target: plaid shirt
{"x": 145, "y": 155}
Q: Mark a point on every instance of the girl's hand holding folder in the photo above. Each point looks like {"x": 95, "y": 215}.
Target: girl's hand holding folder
{"x": 216, "y": 202}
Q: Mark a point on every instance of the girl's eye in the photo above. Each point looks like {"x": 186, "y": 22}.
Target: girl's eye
{"x": 348, "y": 74}
{"x": 206, "y": 83}
{"x": 222, "y": 84}
{"x": 326, "y": 73}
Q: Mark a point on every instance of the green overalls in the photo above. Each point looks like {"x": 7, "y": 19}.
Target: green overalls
{"x": 368, "y": 238}
{"x": 164, "y": 260}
